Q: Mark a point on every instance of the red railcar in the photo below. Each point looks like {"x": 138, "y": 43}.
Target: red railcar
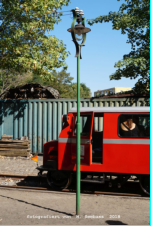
{"x": 106, "y": 151}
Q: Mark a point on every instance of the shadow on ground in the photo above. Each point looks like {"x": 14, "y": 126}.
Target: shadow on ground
{"x": 112, "y": 222}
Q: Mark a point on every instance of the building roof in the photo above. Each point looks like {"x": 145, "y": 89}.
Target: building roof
{"x": 126, "y": 95}
{"x": 111, "y": 109}
{"x": 119, "y": 87}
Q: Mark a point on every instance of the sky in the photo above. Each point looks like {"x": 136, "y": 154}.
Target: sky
{"x": 103, "y": 47}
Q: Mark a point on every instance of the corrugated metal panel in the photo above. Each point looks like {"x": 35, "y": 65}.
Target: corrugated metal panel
{"x": 41, "y": 120}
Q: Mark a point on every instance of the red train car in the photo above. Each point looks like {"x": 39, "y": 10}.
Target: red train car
{"x": 115, "y": 146}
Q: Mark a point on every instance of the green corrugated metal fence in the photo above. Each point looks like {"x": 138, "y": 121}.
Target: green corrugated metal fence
{"x": 41, "y": 120}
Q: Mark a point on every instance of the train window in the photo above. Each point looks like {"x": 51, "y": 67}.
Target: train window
{"x": 132, "y": 125}
{"x": 85, "y": 125}
{"x": 97, "y": 138}
{"x": 98, "y": 123}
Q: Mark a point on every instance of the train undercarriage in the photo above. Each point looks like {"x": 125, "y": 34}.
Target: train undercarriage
{"x": 62, "y": 179}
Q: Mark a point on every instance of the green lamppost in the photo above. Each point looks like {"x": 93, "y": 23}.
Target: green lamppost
{"x": 78, "y": 29}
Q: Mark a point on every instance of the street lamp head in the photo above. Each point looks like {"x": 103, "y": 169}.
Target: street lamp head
{"x": 79, "y": 29}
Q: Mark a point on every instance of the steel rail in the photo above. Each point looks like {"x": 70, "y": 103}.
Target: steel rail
{"x": 15, "y": 176}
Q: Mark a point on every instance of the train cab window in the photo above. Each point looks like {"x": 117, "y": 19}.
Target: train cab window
{"x": 132, "y": 125}
{"x": 97, "y": 138}
{"x": 85, "y": 125}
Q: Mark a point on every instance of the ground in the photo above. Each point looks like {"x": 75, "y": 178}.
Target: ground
{"x": 31, "y": 207}
{"x": 19, "y": 165}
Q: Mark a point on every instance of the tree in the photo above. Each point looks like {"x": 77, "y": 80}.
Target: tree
{"x": 24, "y": 47}
{"x": 63, "y": 83}
{"x": 85, "y": 92}
{"x": 133, "y": 18}
{"x": 8, "y": 79}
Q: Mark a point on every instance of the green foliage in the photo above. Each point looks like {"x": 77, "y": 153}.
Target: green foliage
{"x": 10, "y": 79}
{"x": 63, "y": 83}
{"x": 24, "y": 47}
{"x": 85, "y": 92}
{"x": 133, "y": 18}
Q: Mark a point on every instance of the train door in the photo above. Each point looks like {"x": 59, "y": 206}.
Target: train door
{"x": 86, "y": 137}
{"x": 97, "y": 139}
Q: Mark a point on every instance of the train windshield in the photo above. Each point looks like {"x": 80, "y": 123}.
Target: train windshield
{"x": 85, "y": 125}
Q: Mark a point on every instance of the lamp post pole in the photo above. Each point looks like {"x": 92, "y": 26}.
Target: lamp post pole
{"x": 78, "y": 29}
{"x": 78, "y": 137}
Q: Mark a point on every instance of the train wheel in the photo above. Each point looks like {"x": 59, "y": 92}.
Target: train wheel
{"x": 58, "y": 179}
{"x": 145, "y": 183}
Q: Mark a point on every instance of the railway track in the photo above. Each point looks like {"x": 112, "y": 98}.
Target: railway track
{"x": 46, "y": 188}
{"x": 14, "y": 176}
